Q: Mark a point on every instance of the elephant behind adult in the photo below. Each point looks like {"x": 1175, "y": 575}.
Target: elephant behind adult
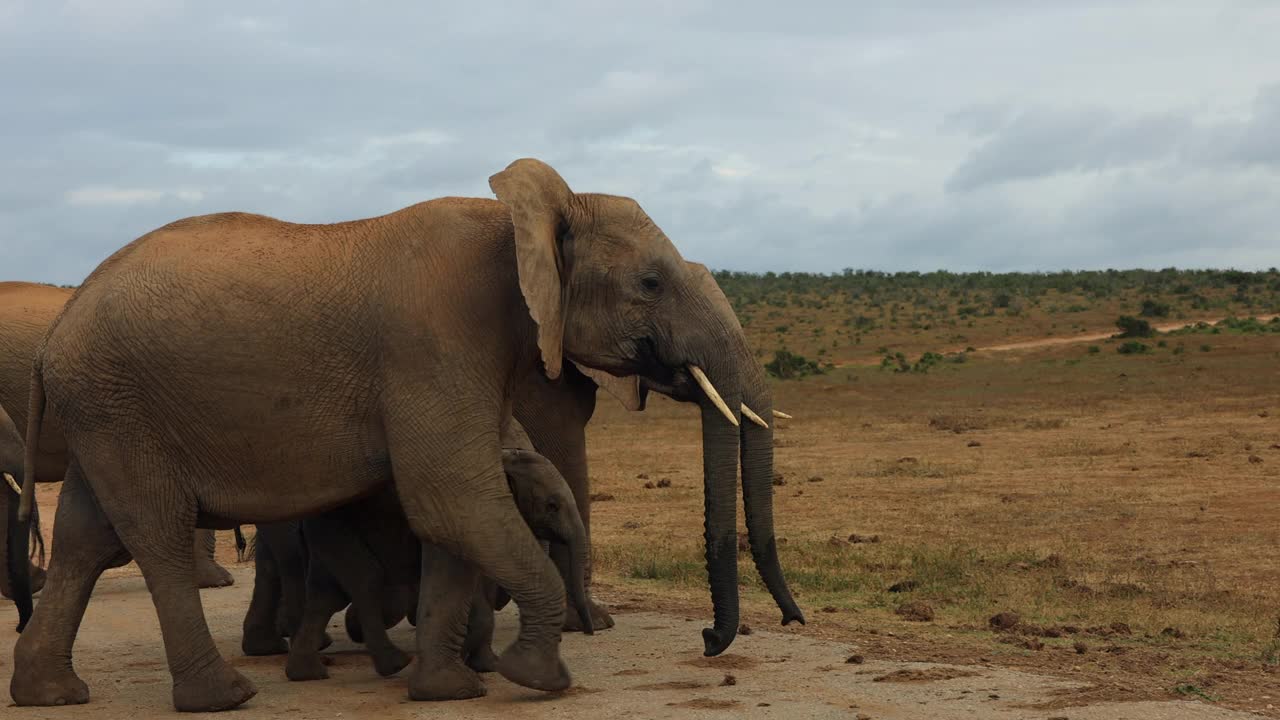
{"x": 364, "y": 554}
{"x": 26, "y": 311}
{"x": 11, "y": 452}
{"x": 274, "y": 370}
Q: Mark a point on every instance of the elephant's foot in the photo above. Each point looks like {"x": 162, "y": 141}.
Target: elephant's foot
{"x": 352, "y": 623}
{"x": 210, "y": 574}
{"x": 301, "y": 667}
{"x": 217, "y": 687}
{"x": 41, "y": 687}
{"x": 444, "y": 680}
{"x": 483, "y": 660}
{"x": 263, "y": 643}
{"x": 391, "y": 661}
{"x": 533, "y": 667}
{"x": 600, "y": 618}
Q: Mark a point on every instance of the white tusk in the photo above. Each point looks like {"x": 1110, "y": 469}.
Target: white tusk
{"x": 780, "y": 414}
{"x": 753, "y": 417}
{"x": 12, "y": 483}
{"x": 712, "y": 395}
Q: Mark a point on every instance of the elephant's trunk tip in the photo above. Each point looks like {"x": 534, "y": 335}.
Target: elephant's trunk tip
{"x": 715, "y": 642}
{"x": 792, "y": 614}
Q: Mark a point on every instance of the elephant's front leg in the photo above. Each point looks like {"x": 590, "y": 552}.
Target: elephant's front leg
{"x": 261, "y": 631}
{"x": 336, "y": 550}
{"x": 447, "y": 588}
{"x": 209, "y": 574}
{"x": 324, "y": 598}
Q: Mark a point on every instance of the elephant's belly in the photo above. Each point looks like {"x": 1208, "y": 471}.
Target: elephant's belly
{"x": 291, "y": 486}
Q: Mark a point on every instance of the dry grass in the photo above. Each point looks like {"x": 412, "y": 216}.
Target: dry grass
{"x": 1078, "y": 490}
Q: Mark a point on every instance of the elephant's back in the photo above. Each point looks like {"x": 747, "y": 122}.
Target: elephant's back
{"x": 217, "y": 312}
{"x": 26, "y": 310}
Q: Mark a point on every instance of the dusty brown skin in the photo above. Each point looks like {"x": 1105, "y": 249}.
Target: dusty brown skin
{"x": 198, "y": 369}
{"x": 553, "y": 418}
{"x": 26, "y": 310}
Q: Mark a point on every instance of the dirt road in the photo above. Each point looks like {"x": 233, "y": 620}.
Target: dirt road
{"x": 649, "y": 666}
{"x": 1037, "y": 343}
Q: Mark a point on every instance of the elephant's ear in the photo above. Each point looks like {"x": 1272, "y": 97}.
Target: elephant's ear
{"x": 629, "y": 390}
{"x": 540, "y": 200}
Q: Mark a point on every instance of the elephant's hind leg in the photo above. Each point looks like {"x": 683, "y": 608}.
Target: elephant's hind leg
{"x": 87, "y": 545}
{"x": 209, "y": 574}
{"x": 156, "y": 521}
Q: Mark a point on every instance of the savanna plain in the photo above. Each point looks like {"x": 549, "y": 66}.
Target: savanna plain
{"x": 1073, "y": 475}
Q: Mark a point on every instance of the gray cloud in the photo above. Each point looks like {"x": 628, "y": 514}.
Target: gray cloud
{"x": 815, "y": 136}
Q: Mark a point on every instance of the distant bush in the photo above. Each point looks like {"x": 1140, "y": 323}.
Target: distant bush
{"x": 786, "y": 365}
{"x": 1243, "y": 326}
{"x": 1151, "y": 308}
{"x": 1094, "y": 349}
{"x": 898, "y": 361}
{"x": 1133, "y": 347}
{"x": 1132, "y": 327}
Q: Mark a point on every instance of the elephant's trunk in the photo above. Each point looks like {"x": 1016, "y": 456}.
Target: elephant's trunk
{"x": 757, "y": 494}
{"x": 570, "y": 554}
{"x": 720, "y": 475}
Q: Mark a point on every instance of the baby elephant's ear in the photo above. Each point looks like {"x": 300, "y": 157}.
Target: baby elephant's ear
{"x": 539, "y": 201}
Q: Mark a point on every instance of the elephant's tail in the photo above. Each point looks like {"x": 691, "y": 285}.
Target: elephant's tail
{"x": 35, "y": 421}
{"x": 242, "y": 547}
{"x": 19, "y": 571}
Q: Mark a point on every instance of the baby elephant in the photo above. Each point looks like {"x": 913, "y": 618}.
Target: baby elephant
{"x": 364, "y": 553}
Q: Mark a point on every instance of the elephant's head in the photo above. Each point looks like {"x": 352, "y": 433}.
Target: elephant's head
{"x": 547, "y": 506}
{"x": 610, "y": 292}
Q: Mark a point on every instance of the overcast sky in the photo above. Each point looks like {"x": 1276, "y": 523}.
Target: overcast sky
{"x": 894, "y": 135}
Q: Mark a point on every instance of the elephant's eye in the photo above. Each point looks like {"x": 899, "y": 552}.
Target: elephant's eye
{"x": 553, "y": 506}
{"x": 651, "y": 283}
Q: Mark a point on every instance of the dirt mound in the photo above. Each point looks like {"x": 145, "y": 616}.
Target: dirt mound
{"x": 728, "y": 661}
{"x": 706, "y": 704}
{"x": 673, "y": 685}
{"x": 913, "y": 675}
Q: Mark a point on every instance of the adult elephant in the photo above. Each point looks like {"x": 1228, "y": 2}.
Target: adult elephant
{"x": 236, "y": 368}
{"x": 554, "y": 414}
{"x": 26, "y": 311}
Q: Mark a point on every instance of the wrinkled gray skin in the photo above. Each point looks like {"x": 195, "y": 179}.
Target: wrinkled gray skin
{"x": 365, "y": 554}
{"x": 234, "y": 368}
{"x": 26, "y": 311}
